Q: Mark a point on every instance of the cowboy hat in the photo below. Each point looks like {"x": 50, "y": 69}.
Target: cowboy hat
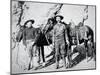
{"x": 32, "y": 21}
{"x": 59, "y": 16}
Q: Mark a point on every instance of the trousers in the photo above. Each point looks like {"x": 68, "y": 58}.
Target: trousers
{"x": 60, "y": 47}
{"x": 60, "y": 51}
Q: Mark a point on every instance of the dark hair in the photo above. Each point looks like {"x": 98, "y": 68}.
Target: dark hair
{"x": 50, "y": 19}
{"x": 32, "y": 21}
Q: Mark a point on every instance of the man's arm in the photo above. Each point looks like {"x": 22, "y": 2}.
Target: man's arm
{"x": 54, "y": 35}
{"x": 19, "y": 36}
{"x": 37, "y": 34}
{"x": 85, "y": 34}
{"x": 66, "y": 36}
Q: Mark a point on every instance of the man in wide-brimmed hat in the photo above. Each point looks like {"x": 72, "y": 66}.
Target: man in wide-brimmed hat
{"x": 60, "y": 39}
{"x": 28, "y": 36}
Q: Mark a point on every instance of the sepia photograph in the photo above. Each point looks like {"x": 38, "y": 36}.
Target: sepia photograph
{"x": 52, "y": 37}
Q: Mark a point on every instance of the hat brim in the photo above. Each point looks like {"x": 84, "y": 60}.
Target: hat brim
{"x": 59, "y": 16}
{"x": 32, "y": 21}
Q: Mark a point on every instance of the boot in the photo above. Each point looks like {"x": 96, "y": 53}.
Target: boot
{"x": 64, "y": 61}
{"x": 57, "y": 62}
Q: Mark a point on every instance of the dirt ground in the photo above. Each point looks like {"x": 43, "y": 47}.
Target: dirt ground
{"x": 20, "y": 60}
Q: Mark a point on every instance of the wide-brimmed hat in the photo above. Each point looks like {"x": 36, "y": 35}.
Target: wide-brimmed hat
{"x": 59, "y": 16}
{"x": 32, "y": 21}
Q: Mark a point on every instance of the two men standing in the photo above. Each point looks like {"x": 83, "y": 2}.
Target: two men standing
{"x": 60, "y": 39}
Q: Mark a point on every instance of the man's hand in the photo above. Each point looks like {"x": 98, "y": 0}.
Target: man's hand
{"x": 67, "y": 42}
{"x": 53, "y": 44}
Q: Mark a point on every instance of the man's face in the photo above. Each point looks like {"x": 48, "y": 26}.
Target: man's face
{"x": 58, "y": 19}
{"x": 29, "y": 24}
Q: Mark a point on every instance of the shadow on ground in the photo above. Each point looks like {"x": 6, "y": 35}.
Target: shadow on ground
{"x": 51, "y": 61}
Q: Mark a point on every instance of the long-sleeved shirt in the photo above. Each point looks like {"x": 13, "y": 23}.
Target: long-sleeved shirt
{"x": 29, "y": 33}
{"x": 60, "y": 32}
